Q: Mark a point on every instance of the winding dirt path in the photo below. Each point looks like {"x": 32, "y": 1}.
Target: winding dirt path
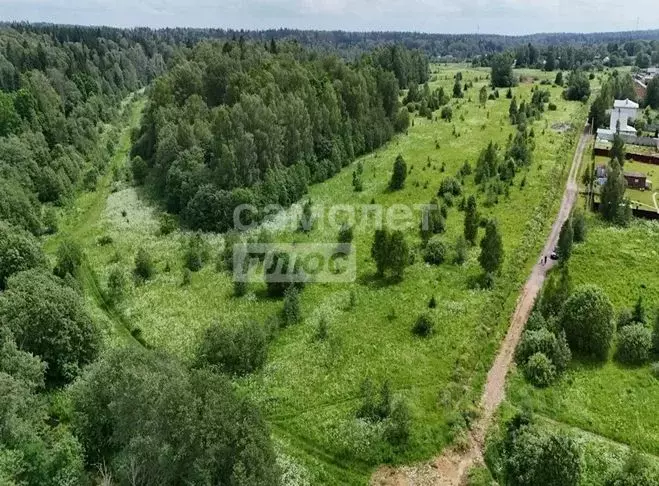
{"x": 450, "y": 469}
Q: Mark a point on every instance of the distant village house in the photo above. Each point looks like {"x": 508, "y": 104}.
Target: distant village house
{"x": 635, "y": 180}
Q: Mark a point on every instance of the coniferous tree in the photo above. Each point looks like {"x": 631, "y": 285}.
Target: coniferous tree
{"x": 512, "y": 111}
{"x": 292, "y": 313}
{"x": 399, "y": 174}
{"x": 482, "y": 96}
{"x": 565, "y": 241}
{"x": 618, "y": 151}
{"x": 471, "y": 220}
{"x": 579, "y": 226}
{"x": 492, "y": 254}
{"x": 457, "y": 89}
{"x": 652, "y": 94}
{"x": 390, "y": 252}
{"x": 613, "y": 205}
{"x": 556, "y": 291}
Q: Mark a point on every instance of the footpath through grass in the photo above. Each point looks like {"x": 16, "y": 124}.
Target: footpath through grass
{"x": 309, "y": 389}
{"x": 77, "y": 223}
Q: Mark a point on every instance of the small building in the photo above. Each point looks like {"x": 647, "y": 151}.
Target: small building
{"x": 636, "y": 180}
{"x": 623, "y": 111}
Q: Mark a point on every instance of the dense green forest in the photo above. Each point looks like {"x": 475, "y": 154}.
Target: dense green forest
{"x": 61, "y": 93}
{"x": 57, "y": 95}
{"x": 237, "y": 123}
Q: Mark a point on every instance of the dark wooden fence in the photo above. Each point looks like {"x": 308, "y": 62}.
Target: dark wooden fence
{"x": 637, "y": 212}
{"x": 645, "y": 158}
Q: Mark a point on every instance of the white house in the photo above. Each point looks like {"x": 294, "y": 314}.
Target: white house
{"x": 623, "y": 111}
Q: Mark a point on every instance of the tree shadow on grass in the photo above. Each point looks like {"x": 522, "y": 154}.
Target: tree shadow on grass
{"x": 375, "y": 281}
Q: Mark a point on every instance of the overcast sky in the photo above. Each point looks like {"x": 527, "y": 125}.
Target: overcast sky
{"x": 442, "y": 16}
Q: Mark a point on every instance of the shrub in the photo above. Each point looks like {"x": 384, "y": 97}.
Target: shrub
{"x": 144, "y": 269}
{"x": 433, "y": 303}
{"x": 552, "y": 107}
{"x": 69, "y": 259}
{"x": 447, "y": 113}
{"x": 634, "y": 344}
{"x": 117, "y": 283}
{"x": 397, "y": 431}
{"x": 435, "y": 252}
{"x": 450, "y": 185}
{"x": 461, "y": 250}
{"x": 587, "y": 319}
{"x": 292, "y": 314}
{"x": 50, "y": 221}
{"x": 424, "y": 325}
{"x": 532, "y": 457}
{"x": 533, "y": 342}
{"x": 224, "y": 259}
{"x": 278, "y": 275}
{"x": 187, "y": 277}
{"x": 579, "y": 226}
{"x": 139, "y": 170}
{"x": 655, "y": 333}
{"x": 375, "y": 407}
{"x": 19, "y": 251}
{"x": 196, "y": 253}
{"x": 352, "y": 299}
{"x": 237, "y": 350}
{"x": 104, "y": 240}
{"x": 637, "y": 471}
{"x": 488, "y": 281}
{"x": 535, "y": 322}
{"x": 239, "y": 288}
{"x": 322, "y": 332}
{"x": 654, "y": 369}
{"x": 480, "y": 476}
{"x": 625, "y": 318}
{"x": 168, "y": 224}
{"x": 345, "y": 233}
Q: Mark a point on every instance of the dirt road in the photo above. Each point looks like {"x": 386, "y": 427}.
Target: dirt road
{"x": 451, "y": 467}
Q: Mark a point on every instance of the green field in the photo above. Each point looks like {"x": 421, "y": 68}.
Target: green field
{"x": 308, "y": 390}
{"x": 611, "y": 400}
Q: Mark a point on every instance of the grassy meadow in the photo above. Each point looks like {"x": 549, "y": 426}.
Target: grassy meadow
{"x": 614, "y": 401}
{"x": 309, "y": 390}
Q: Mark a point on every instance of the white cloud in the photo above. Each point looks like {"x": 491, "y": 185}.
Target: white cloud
{"x": 450, "y": 16}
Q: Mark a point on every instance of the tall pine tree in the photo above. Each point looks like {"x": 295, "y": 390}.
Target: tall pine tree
{"x": 471, "y": 221}
{"x": 491, "y": 257}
